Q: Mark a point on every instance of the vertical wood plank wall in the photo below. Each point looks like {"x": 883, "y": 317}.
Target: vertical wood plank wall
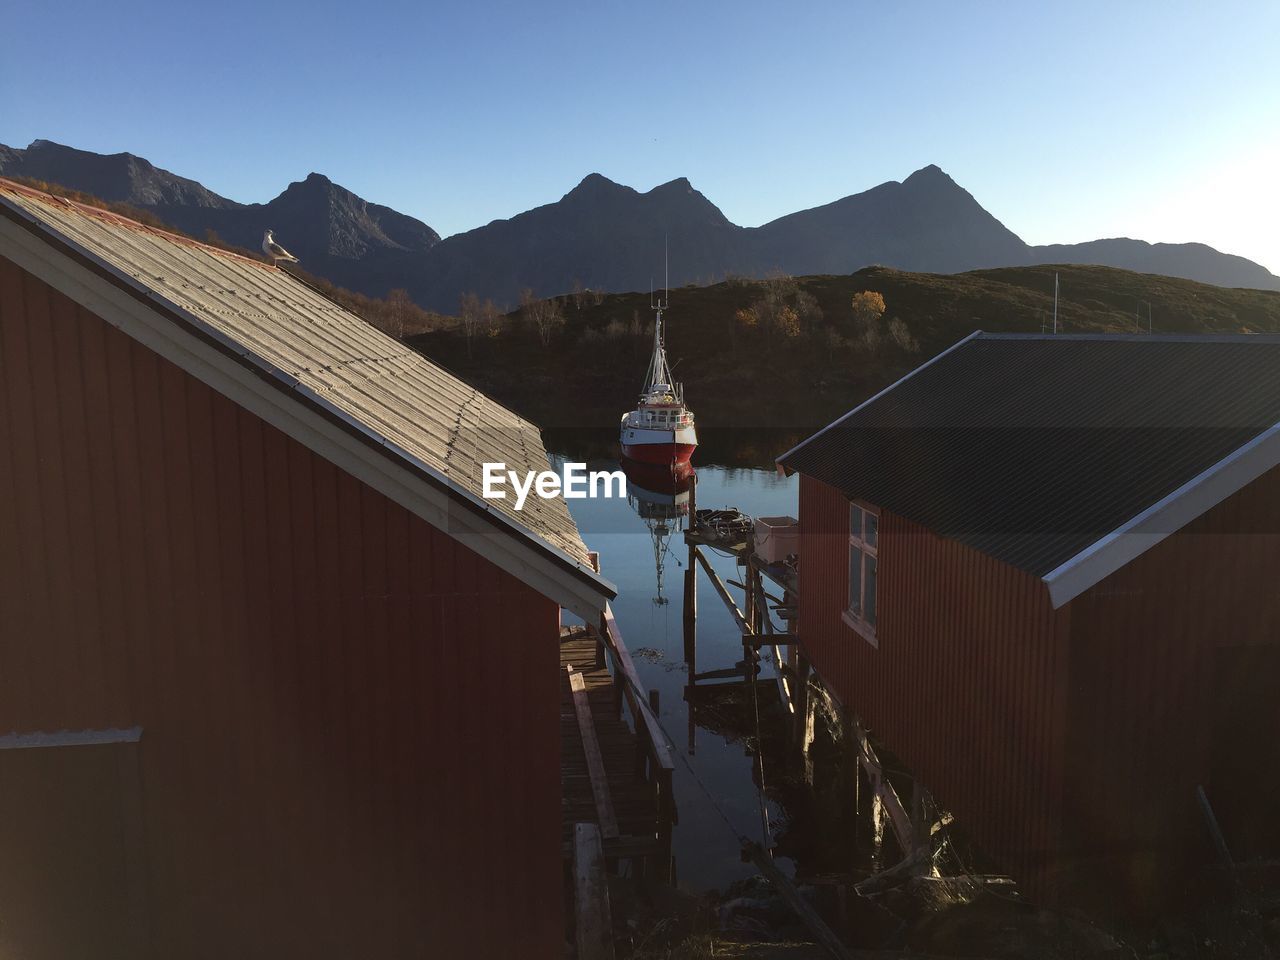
{"x": 1069, "y": 743}
{"x": 350, "y": 722}
{"x": 963, "y": 685}
{"x": 1174, "y": 660}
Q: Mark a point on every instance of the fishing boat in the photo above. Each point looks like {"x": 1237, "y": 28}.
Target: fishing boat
{"x": 660, "y": 429}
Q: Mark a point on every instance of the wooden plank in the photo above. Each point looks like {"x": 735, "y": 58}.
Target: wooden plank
{"x": 823, "y": 934}
{"x": 729, "y": 673}
{"x": 591, "y": 895}
{"x": 743, "y": 627}
{"x": 658, "y": 740}
{"x": 899, "y": 819}
{"x": 757, "y": 641}
{"x": 595, "y": 763}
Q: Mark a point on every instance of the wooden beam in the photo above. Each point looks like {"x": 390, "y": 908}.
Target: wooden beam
{"x": 771, "y": 640}
{"x": 883, "y": 790}
{"x": 743, "y": 627}
{"x": 591, "y": 895}
{"x": 823, "y": 934}
{"x": 691, "y": 613}
{"x": 595, "y": 762}
{"x": 653, "y": 730}
{"x": 764, "y": 593}
{"x": 728, "y": 673}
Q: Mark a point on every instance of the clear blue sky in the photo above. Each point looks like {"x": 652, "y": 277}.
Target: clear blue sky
{"x": 1068, "y": 121}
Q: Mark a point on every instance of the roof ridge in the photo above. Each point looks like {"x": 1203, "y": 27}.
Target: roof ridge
{"x": 118, "y": 219}
{"x": 121, "y": 220}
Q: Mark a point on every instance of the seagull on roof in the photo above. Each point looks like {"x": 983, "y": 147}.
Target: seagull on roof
{"x": 275, "y": 251}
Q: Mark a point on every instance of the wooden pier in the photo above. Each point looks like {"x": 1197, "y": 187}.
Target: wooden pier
{"x": 911, "y": 822}
{"x": 614, "y": 774}
{"x": 754, "y": 620}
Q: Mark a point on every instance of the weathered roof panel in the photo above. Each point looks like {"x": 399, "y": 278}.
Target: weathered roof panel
{"x": 288, "y": 329}
{"x": 1033, "y": 448}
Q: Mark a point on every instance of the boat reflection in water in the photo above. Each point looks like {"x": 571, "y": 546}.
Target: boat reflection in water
{"x": 660, "y": 494}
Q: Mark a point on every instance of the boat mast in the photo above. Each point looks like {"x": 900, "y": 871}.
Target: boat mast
{"x": 659, "y": 371}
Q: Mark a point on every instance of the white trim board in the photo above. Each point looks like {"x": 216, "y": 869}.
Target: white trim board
{"x": 69, "y": 738}
{"x": 514, "y": 550}
{"x": 1164, "y": 517}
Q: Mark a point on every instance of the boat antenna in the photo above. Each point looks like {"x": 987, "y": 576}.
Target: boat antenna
{"x": 666, "y": 270}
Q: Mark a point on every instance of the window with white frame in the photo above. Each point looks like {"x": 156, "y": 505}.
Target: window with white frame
{"x": 864, "y": 522}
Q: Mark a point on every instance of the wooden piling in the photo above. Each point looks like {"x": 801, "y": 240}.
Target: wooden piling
{"x": 691, "y": 612}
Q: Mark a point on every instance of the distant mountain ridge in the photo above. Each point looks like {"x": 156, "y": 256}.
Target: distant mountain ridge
{"x": 340, "y": 236}
{"x": 607, "y": 236}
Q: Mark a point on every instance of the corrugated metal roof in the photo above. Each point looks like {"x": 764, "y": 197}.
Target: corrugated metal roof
{"x": 1032, "y": 448}
{"x": 287, "y": 328}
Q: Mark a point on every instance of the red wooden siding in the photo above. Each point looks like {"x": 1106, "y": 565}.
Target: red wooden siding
{"x": 1174, "y": 662}
{"x": 964, "y": 686}
{"x": 1070, "y": 743}
{"x": 350, "y": 722}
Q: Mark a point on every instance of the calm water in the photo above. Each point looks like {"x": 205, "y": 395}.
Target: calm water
{"x": 715, "y": 773}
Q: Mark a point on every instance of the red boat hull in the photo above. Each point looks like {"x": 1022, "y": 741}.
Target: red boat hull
{"x": 662, "y": 453}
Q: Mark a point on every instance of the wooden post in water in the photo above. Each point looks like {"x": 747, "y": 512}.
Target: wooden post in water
{"x": 691, "y": 586}
{"x": 921, "y": 837}
{"x": 691, "y": 613}
{"x": 803, "y": 719}
{"x": 853, "y": 777}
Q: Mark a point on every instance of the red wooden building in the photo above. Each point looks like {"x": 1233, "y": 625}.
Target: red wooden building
{"x": 1043, "y": 571}
{"x": 275, "y": 680}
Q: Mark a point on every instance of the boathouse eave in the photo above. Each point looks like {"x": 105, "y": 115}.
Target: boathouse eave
{"x": 301, "y": 413}
{"x": 1164, "y": 517}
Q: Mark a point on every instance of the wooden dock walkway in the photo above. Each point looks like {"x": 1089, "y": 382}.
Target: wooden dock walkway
{"x": 621, "y": 782}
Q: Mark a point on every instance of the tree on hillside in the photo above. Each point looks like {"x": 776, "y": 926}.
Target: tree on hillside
{"x": 469, "y": 315}
{"x": 399, "y": 309}
{"x": 902, "y": 336}
{"x": 808, "y": 311}
{"x": 528, "y": 305}
{"x": 478, "y": 319}
{"x": 546, "y": 316}
{"x": 490, "y": 318}
{"x": 550, "y": 320}
{"x": 787, "y": 322}
{"x": 868, "y": 308}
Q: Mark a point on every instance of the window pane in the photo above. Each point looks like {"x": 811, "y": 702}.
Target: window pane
{"x": 870, "y": 615}
{"x": 855, "y": 579}
{"x": 855, "y": 521}
{"x": 873, "y": 523}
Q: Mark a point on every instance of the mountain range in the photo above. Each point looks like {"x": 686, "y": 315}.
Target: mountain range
{"x": 606, "y": 236}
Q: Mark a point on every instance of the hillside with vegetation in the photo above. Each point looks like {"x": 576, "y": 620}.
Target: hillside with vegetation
{"x": 765, "y": 362}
